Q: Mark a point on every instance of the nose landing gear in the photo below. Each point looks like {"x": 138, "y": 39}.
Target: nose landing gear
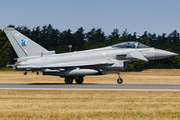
{"x": 119, "y": 80}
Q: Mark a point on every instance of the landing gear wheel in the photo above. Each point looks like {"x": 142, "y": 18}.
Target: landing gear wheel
{"x": 80, "y": 80}
{"x": 68, "y": 80}
{"x": 25, "y": 72}
{"x": 120, "y": 81}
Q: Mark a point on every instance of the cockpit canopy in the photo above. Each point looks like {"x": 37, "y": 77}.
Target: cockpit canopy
{"x": 130, "y": 44}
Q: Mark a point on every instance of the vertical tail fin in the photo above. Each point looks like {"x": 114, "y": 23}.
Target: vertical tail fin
{"x": 22, "y": 45}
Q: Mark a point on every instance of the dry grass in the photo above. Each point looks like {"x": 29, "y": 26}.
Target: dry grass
{"x": 102, "y": 105}
{"x": 59, "y": 104}
{"x": 153, "y": 76}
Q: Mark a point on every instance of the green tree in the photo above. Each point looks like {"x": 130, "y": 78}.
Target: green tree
{"x": 67, "y": 38}
{"x": 79, "y": 38}
{"x": 95, "y": 37}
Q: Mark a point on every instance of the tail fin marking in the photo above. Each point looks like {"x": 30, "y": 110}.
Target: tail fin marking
{"x": 22, "y": 45}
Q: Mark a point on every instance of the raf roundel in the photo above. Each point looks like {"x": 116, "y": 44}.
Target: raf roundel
{"x": 104, "y": 54}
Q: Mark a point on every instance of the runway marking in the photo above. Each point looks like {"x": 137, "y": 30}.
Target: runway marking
{"x": 90, "y": 89}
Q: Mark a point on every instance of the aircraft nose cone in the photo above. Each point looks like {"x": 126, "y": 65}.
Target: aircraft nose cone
{"x": 160, "y": 54}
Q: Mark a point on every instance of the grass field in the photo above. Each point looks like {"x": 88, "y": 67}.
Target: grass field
{"x": 168, "y": 76}
{"x": 102, "y": 105}
{"x": 6, "y": 69}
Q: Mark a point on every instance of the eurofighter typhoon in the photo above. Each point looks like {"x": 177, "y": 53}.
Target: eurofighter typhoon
{"x": 76, "y": 65}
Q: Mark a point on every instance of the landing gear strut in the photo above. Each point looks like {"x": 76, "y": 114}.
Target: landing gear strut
{"x": 119, "y": 80}
{"x": 68, "y": 80}
{"x": 79, "y": 80}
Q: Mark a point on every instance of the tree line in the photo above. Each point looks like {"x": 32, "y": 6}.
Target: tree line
{"x": 54, "y": 39}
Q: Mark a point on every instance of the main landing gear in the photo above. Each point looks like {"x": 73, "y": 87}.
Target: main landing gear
{"x": 119, "y": 80}
{"x": 25, "y": 72}
{"x": 79, "y": 80}
{"x": 69, "y": 80}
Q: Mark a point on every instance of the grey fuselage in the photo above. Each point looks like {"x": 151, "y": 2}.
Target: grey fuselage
{"x": 109, "y": 55}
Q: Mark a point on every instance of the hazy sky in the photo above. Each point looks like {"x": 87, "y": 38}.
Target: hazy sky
{"x": 154, "y": 16}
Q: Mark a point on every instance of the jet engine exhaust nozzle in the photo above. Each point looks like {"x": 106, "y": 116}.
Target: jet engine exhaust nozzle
{"x": 21, "y": 63}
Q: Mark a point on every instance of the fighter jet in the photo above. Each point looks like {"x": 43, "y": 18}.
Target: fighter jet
{"x": 77, "y": 65}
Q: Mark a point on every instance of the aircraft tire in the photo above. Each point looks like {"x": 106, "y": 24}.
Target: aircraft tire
{"x": 68, "y": 80}
{"x": 120, "y": 81}
{"x": 80, "y": 80}
{"x": 25, "y": 72}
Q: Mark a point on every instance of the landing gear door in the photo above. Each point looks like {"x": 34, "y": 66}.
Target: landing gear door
{"x": 118, "y": 64}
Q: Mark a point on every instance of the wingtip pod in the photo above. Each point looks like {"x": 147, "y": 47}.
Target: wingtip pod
{"x": 8, "y": 29}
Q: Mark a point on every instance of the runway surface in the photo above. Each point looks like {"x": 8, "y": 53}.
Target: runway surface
{"x": 61, "y": 86}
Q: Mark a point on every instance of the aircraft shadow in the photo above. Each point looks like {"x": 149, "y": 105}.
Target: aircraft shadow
{"x": 62, "y": 84}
